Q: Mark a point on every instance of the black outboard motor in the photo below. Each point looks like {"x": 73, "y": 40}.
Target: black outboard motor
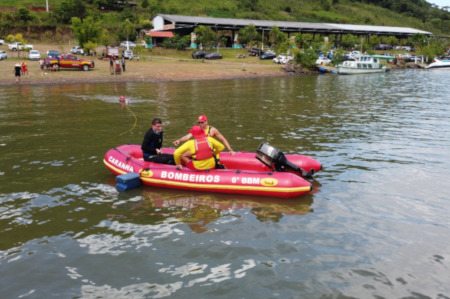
{"x": 277, "y": 161}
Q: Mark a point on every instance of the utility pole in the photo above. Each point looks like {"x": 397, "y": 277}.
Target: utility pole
{"x": 46, "y": 2}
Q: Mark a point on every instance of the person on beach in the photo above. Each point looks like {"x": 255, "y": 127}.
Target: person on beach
{"x": 41, "y": 65}
{"x": 24, "y": 68}
{"x": 117, "y": 65}
{"x": 152, "y": 145}
{"x": 17, "y": 72}
{"x": 111, "y": 64}
{"x": 123, "y": 64}
{"x": 202, "y": 151}
{"x": 209, "y": 131}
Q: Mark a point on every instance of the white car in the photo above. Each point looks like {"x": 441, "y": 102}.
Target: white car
{"x": 282, "y": 59}
{"x": 77, "y": 50}
{"x": 323, "y": 60}
{"x": 127, "y": 44}
{"x": 34, "y": 55}
{"x": 17, "y": 46}
{"x": 3, "y": 55}
{"x": 2, "y": 41}
{"x": 128, "y": 54}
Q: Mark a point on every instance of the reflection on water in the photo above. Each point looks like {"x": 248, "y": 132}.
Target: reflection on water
{"x": 375, "y": 223}
{"x": 199, "y": 209}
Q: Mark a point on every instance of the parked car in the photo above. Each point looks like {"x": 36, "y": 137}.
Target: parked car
{"x": 3, "y": 55}
{"x": 18, "y": 46}
{"x": 127, "y": 44}
{"x": 198, "y": 54}
{"x": 34, "y": 55}
{"x": 282, "y": 59}
{"x": 255, "y": 52}
{"x": 128, "y": 54}
{"x": 323, "y": 60}
{"x": 383, "y": 47}
{"x": 268, "y": 55}
{"x": 77, "y": 50}
{"x": 2, "y": 41}
{"x": 52, "y": 54}
{"x": 69, "y": 61}
{"x": 213, "y": 55}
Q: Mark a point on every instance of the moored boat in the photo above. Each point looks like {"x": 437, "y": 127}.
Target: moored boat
{"x": 274, "y": 174}
{"x": 443, "y": 63}
{"x": 363, "y": 64}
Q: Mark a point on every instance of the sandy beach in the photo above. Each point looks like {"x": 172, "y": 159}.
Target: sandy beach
{"x": 147, "y": 69}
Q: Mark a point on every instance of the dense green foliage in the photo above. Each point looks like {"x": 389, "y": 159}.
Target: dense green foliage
{"x": 107, "y": 22}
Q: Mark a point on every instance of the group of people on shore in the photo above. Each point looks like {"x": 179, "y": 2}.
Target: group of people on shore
{"x": 199, "y": 149}
{"x": 114, "y": 64}
{"x": 20, "y": 69}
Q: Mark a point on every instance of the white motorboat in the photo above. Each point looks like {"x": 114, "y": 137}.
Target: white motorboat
{"x": 364, "y": 64}
{"x": 443, "y": 63}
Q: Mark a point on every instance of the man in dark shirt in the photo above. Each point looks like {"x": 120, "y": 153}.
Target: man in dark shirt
{"x": 152, "y": 145}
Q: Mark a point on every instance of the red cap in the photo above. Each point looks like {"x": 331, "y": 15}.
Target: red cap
{"x": 202, "y": 118}
{"x": 197, "y": 132}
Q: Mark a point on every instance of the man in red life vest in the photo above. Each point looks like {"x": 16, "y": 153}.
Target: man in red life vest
{"x": 209, "y": 131}
{"x": 202, "y": 149}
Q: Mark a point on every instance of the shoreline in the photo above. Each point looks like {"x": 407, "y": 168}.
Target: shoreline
{"x": 151, "y": 70}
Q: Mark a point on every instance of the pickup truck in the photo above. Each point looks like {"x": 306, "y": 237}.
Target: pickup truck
{"x": 18, "y": 46}
{"x": 69, "y": 61}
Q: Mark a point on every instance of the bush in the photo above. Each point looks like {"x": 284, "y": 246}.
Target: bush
{"x": 307, "y": 58}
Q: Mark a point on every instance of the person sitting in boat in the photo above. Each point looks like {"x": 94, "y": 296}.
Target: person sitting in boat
{"x": 209, "y": 131}
{"x": 152, "y": 145}
{"x": 202, "y": 149}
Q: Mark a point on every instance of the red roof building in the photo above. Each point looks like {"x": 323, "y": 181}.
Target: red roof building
{"x": 159, "y": 36}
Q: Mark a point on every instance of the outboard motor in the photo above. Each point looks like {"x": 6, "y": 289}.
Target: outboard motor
{"x": 276, "y": 160}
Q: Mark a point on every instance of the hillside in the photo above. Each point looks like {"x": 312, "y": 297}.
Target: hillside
{"x": 417, "y": 14}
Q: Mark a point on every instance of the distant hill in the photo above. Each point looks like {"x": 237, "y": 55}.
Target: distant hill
{"x": 417, "y": 14}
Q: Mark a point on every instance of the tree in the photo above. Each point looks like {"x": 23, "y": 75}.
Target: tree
{"x": 248, "y": 35}
{"x": 349, "y": 41}
{"x": 68, "y": 9}
{"x": 90, "y": 47}
{"x": 86, "y": 31}
{"x": 144, "y": 4}
{"x": 128, "y": 30}
{"x": 146, "y": 24}
{"x": 307, "y": 58}
{"x": 300, "y": 40}
{"x": 177, "y": 42}
{"x": 418, "y": 40}
{"x": 205, "y": 36}
{"x": 276, "y": 36}
{"x": 23, "y": 15}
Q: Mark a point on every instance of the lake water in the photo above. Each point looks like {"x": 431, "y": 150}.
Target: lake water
{"x": 377, "y": 224}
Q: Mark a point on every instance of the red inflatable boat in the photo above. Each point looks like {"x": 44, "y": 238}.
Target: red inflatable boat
{"x": 268, "y": 172}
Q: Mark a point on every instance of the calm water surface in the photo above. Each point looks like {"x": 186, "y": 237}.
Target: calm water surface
{"x": 377, "y": 224}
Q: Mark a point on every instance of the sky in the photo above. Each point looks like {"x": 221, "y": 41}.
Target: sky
{"x": 440, "y": 3}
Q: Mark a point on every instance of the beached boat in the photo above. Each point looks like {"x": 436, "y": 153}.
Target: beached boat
{"x": 363, "y": 64}
{"x": 268, "y": 172}
{"x": 443, "y": 63}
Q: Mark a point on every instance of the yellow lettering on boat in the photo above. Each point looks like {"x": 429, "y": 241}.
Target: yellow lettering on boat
{"x": 147, "y": 173}
{"x": 269, "y": 182}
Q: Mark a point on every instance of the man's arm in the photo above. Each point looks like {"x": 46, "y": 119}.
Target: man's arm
{"x": 215, "y": 133}
{"x": 182, "y": 139}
